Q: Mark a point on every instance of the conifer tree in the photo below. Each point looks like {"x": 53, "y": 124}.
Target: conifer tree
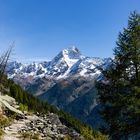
{"x": 119, "y": 92}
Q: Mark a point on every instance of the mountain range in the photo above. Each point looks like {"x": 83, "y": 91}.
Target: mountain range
{"x": 67, "y": 81}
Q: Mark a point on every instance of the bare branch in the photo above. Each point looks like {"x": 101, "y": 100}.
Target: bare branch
{"x": 4, "y": 60}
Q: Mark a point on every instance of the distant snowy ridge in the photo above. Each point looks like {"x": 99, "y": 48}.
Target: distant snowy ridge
{"x": 69, "y": 62}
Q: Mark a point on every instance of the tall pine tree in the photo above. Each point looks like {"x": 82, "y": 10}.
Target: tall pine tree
{"x": 119, "y": 93}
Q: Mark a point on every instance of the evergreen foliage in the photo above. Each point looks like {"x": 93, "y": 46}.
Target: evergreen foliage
{"x": 119, "y": 93}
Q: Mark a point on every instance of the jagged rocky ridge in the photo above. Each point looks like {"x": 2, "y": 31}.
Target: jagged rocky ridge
{"x": 69, "y": 62}
{"x": 68, "y": 82}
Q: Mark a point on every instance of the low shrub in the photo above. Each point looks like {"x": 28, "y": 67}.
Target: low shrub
{"x": 23, "y": 107}
{"x": 4, "y": 121}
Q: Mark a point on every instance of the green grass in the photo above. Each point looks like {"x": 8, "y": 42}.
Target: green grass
{"x": 30, "y": 136}
{"x": 67, "y": 137}
{"x": 1, "y": 134}
{"x": 4, "y": 121}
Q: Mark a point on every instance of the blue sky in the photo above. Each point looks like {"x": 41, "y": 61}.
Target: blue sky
{"x": 42, "y": 28}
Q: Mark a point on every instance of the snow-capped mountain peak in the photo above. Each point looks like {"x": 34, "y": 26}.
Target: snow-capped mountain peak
{"x": 71, "y": 53}
{"x": 67, "y": 57}
{"x": 67, "y": 63}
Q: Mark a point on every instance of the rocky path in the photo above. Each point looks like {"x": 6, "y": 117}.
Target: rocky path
{"x": 46, "y": 127}
{"x": 11, "y": 132}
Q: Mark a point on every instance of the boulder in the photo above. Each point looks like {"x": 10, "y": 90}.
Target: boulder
{"x": 9, "y": 102}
